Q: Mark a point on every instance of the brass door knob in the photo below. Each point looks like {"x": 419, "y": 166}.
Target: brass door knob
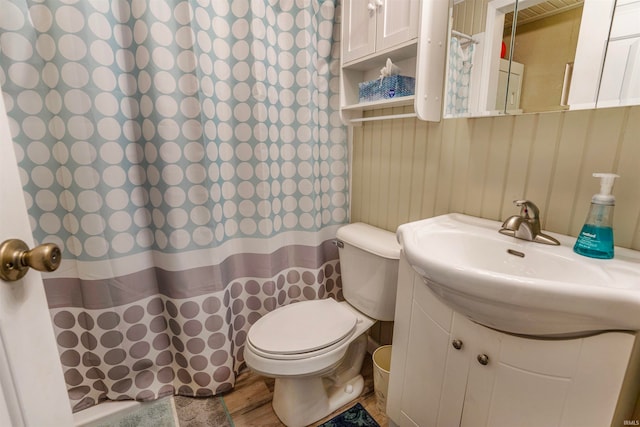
{"x": 16, "y": 258}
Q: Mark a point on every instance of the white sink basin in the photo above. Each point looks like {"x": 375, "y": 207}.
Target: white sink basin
{"x": 519, "y": 286}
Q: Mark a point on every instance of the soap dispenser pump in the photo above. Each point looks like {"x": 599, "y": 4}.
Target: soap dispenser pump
{"x": 596, "y": 238}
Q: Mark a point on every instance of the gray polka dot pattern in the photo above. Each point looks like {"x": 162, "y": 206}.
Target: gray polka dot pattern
{"x": 173, "y": 125}
{"x": 168, "y": 130}
{"x": 159, "y": 346}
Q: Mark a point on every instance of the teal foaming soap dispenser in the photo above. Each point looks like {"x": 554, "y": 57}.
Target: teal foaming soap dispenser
{"x": 596, "y": 238}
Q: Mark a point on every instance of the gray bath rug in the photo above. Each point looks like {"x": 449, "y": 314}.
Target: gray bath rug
{"x": 159, "y": 413}
{"x": 202, "y": 412}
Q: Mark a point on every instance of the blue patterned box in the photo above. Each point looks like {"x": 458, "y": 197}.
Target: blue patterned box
{"x": 389, "y": 87}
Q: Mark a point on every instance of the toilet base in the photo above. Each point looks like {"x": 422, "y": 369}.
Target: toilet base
{"x": 301, "y": 401}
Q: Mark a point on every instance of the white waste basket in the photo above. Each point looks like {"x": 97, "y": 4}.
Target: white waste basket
{"x": 381, "y": 368}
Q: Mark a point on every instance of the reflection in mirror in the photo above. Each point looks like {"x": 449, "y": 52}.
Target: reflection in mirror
{"x": 555, "y": 65}
{"x": 477, "y": 70}
{"x": 545, "y": 48}
{"x": 620, "y": 81}
{"x": 510, "y": 72}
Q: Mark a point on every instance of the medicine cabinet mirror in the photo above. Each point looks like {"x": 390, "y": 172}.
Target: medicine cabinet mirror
{"x": 551, "y": 65}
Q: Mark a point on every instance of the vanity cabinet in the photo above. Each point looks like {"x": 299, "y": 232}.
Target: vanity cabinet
{"x": 412, "y": 33}
{"x": 447, "y": 370}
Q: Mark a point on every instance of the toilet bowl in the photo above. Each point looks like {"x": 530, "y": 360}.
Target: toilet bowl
{"x": 315, "y": 349}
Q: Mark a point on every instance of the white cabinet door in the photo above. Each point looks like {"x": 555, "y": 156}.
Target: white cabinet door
{"x": 474, "y": 394}
{"x": 621, "y": 74}
{"x": 397, "y": 22}
{"x": 537, "y": 382}
{"x": 370, "y": 26}
{"x": 358, "y": 29}
{"x": 32, "y": 389}
{"x": 522, "y": 382}
{"x": 426, "y": 360}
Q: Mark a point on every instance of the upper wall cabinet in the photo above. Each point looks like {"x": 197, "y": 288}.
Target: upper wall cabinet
{"x": 375, "y": 25}
{"x": 413, "y": 34}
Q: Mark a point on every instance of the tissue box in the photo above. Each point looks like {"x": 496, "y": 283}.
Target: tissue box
{"x": 390, "y": 87}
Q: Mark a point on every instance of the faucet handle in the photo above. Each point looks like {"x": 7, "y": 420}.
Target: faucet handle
{"x": 528, "y": 209}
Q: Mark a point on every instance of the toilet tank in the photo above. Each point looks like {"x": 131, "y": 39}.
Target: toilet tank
{"x": 369, "y": 268}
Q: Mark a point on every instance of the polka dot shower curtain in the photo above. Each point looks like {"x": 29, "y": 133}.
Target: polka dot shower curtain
{"x": 188, "y": 158}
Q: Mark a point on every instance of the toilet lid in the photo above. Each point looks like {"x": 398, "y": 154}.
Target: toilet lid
{"x": 302, "y": 327}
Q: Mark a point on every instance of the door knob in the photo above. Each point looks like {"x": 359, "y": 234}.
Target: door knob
{"x": 16, "y": 258}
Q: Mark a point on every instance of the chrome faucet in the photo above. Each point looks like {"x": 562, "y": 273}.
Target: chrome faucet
{"x": 526, "y": 226}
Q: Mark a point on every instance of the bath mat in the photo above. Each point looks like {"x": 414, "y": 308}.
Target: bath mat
{"x": 354, "y": 416}
{"x": 159, "y": 413}
{"x": 202, "y": 411}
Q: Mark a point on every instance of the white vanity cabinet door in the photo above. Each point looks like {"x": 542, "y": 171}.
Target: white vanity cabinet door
{"x": 426, "y": 362}
{"x": 419, "y": 353}
{"x": 359, "y": 29}
{"x": 468, "y": 383}
{"x": 525, "y": 382}
{"x": 537, "y": 382}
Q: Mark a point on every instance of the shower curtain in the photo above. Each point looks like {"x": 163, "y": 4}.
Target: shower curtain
{"x": 458, "y": 77}
{"x": 188, "y": 158}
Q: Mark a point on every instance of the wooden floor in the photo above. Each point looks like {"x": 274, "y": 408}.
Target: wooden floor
{"x": 249, "y": 403}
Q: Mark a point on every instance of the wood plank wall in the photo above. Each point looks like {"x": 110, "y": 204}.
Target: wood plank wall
{"x": 469, "y": 16}
{"x": 406, "y": 169}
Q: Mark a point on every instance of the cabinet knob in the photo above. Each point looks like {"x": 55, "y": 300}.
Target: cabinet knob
{"x": 483, "y": 359}
{"x": 457, "y": 344}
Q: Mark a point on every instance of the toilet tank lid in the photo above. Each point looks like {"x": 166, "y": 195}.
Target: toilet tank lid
{"x": 371, "y": 239}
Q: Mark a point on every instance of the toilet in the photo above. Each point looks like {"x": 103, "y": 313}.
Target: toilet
{"x": 315, "y": 349}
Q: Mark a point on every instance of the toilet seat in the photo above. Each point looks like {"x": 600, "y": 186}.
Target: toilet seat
{"x": 301, "y": 330}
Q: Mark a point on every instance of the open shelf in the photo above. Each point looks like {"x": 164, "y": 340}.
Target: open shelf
{"x": 382, "y": 103}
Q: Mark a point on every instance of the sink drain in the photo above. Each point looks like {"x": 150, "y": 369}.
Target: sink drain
{"x": 516, "y": 253}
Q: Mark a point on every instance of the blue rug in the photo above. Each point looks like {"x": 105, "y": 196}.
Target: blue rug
{"x": 354, "y": 416}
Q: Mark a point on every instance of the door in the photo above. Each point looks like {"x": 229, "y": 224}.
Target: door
{"x": 359, "y": 28}
{"x": 32, "y": 388}
{"x": 397, "y": 22}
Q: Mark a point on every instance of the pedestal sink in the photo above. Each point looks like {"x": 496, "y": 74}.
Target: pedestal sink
{"x": 523, "y": 287}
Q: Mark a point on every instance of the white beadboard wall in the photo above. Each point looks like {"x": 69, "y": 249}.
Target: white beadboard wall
{"x": 406, "y": 169}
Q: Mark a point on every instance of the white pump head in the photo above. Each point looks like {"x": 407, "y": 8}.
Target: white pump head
{"x": 606, "y": 184}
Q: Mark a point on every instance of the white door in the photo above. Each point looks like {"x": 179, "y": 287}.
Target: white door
{"x": 359, "y": 29}
{"x": 32, "y": 389}
{"x": 397, "y": 22}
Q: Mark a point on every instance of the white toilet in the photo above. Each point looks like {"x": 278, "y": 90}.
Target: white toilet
{"x": 315, "y": 349}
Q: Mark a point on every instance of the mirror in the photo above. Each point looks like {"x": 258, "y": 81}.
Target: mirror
{"x": 544, "y": 52}
{"x": 555, "y": 66}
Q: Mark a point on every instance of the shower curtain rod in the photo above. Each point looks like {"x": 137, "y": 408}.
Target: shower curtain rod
{"x": 464, "y": 36}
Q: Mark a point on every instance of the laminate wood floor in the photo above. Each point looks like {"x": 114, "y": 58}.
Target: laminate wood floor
{"x": 249, "y": 403}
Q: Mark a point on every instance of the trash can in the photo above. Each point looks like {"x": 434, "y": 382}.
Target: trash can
{"x": 381, "y": 368}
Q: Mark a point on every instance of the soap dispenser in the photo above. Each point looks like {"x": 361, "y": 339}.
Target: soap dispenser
{"x": 596, "y": 238}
